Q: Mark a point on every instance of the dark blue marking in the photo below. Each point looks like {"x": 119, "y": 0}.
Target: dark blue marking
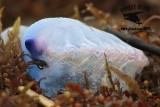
{"x": 31, "y": 46}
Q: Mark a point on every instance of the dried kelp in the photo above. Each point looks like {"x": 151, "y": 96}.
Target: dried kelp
{"x": 13, "y": 71}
